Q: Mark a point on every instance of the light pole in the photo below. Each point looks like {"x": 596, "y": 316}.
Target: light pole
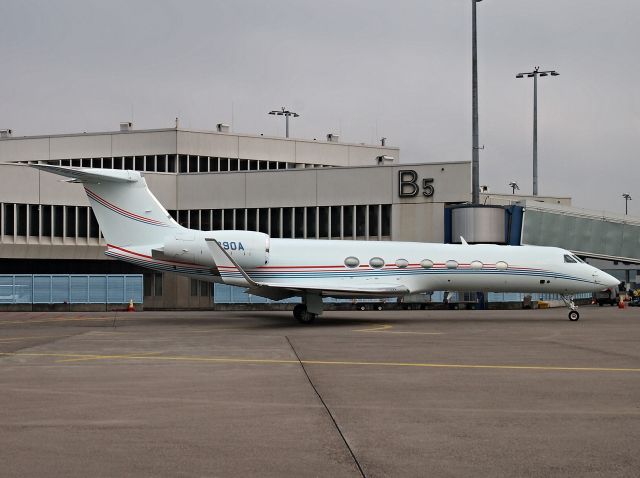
{"x": 627, "y": 198}
{"x": 534, "y": 74}
{"x": 475, "y": 154}
{"x": 513, "y": 185}
{"x": 286, "y": 113}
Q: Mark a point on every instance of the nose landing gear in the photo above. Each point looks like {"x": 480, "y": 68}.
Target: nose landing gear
{"x": 573, "y": 312}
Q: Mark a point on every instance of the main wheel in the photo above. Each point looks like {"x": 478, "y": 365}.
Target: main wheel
{"x": 302, "y": 315}
{"x": 298, "y": 310}
{"x": 574, "y": 315}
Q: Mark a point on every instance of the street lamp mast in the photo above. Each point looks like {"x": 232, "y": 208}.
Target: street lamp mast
{"x": 475, "y": 153}
{"x": 627, "y": 198}
{"x": 534, "y": 74}
{"x": 286, "y": 113}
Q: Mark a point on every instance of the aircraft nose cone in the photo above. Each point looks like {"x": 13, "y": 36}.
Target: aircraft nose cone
{"x": 609, "y": 280}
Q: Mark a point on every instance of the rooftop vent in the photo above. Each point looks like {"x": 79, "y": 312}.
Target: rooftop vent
{"x": 5, "y": 133}
{"x": 222, "y": 128}
{"x": 126, "y": 126}
{"x": 384, "y": 158}
{"x": 333, "y": 138}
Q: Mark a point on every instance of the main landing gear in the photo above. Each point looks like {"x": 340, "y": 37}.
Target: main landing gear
{"x": 302, "y": 315}
{"x": 573, "y": 312}
{"x": 310, "y": 308}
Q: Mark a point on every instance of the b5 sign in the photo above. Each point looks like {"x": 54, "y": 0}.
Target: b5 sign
{"x": 409, "y": 185}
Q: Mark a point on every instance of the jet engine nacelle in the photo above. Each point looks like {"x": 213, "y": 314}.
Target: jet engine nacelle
{"x": 249, "y": 249}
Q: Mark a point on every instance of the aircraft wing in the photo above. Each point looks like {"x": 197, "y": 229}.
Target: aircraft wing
{"x": 231, "y": 273}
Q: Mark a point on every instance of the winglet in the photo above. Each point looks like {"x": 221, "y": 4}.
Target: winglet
{"x": 464, "y": 243}
{"x": 230, "y": 272}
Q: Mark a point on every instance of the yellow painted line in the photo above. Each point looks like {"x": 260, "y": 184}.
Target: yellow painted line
{"x": 106, "y": 357}
{"x": 385, "y": 330}
{"x": 57, "y": 319}
{"x": 377, "y": 328}
{"x": 318, "y": 362}
{"x": 414, "y": 333}
{"x": 13, "y": 339}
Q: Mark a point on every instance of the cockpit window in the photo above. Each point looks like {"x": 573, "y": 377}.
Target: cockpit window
{"x": 577, "y": 258}
{"x": 568, "y": 258}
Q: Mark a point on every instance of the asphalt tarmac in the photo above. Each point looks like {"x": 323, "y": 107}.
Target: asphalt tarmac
{"x": 403, "y": 393}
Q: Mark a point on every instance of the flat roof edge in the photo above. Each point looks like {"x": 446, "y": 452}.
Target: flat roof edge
{"x": 197, "y": 131}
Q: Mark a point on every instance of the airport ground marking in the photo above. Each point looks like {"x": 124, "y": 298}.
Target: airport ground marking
{"x": 13, "y": 339}
{"x": 52, "y": 320}
{"x": 107, "y": 357}
{"x": 385, "y": 330}
{"x": 377, "y": 328}
{"x": 186, "y": 358}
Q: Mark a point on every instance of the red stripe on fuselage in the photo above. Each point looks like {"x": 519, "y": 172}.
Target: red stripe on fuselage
{"x": 123, "y": 211}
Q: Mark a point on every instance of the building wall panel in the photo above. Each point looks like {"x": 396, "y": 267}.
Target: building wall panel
{"x": 418, "y": 222}
{"x": 202, "y": 191}
{"x": 321, "y": 153}
{"x": 145, "y": 142}
{"x": 354, "y": 186}
{"x": 27, "y": 149}
{"x": 85, "y": 146}
{"x": 207, "y": 144}
{"x": 269, "y": 149}
{"x": 19, "y": 184}
{"x": 282, "y": 188}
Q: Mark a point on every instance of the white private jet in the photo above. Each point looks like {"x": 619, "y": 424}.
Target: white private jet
{"x": 139, "y": 230}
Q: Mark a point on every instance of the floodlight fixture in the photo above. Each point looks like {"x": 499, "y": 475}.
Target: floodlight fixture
{"x": 286, "y": 113}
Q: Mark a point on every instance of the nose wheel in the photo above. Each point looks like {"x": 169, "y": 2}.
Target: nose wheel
{"x": 573, "y": 312}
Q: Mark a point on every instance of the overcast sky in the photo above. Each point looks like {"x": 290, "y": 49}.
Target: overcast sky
{"x": 362, "y": 69}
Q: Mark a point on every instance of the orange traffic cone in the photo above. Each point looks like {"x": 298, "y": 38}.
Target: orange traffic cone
{"x": 621, "y": 303}
{"x": 130, "y": 307}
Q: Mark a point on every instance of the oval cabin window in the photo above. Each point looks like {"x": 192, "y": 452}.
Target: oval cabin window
{"x": 427, "y": 264}
{"x": 476, "y": 265}
{"x": 376, "y": 262}
{"x": 502, "y": 266}
{"x": 452, "y": 264}
{"x": 351, "y": 262}
{"x": 402, "y": 263}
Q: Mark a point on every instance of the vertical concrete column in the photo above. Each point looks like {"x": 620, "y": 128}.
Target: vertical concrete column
{"x": 366, "y": 222}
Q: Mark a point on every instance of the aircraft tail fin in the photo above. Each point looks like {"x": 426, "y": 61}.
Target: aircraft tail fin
{"x": 126, "y": 210}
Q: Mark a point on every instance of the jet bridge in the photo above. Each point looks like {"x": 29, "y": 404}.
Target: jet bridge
{"x": 598, "y": 234}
